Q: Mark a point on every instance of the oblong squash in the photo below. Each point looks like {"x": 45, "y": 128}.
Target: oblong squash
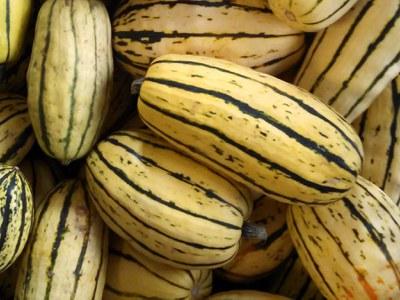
{"x": 350, "y": 80}
{"x": 259, "y": 130}
{"x": 150, "y": 194}
{"x": 156, "y": 281}
{"x": 351, "y": 247}
{"x": 379, "y": 129}
{"x": 67, "y": 254}
{"x": 311, "y": 15}
{"x": 14, "y": 21}
{"x": 70, "y": 76}
{"x": 16, "y": 215}
{"x": 244, "y": 32}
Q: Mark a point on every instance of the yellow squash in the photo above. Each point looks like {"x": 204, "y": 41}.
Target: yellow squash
{"x": 379, "y": 129}
{"x": 350, "y": 248}
{"x": 67, "y": 254}
{"x": 70, "y": 76}
{"x": 150, "y": 194}
{"x": 244, "y": 32}
{"x": 156, "y": 281}
{"x": 253, "y": 127}
{"x": 350, "y": 62}
{"x": 14, "y": 20}
{"x": 16, "y": 215}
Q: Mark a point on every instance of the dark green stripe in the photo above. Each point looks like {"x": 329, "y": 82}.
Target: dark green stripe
{"x": 14, "y": 114}
{"x": 61, "y": 230}
{"x": 125, "y": 60}
{"x": 218, "y": 4}
{"x": 42, "y": 85}
{"x": 149, "y": 194}
{"x": 7, "y": 211}
{"x": 363, "y": 122}
{"x": 108, "y": 86}
{"x": 103, "y": 252}
{"x": 22, "y": 226}
{"x": 67, "y": 138}
{"x": 309, "y": 58}
{"x": 383, "y": 207}
{"x": 252, "y": 153}
{"x": 338, "y": 52}
{"x": 32, "y": 243}
{"x": 281, "y": 58}
{"x": 314, "y": 264}
{"x": 132, "y": 259}
{"x": 78, "y": 268}
{"x": 94, "y": 98}
{"x": 316, "y": 4}
{"x": 151, "y": 37}
{"x": 144, "y": 224}
{"x": 336, "y": 240}
{"x": 393, "y": 133}
{"x": 171, "y": 149}
{"x": 179, "y": 176}
{"x": 106, "y": 216}
{"x": 20, "y": 142}
{"x": 371, "y": 48}
{"x": 328, "y": 16}
{"x": 309, "y": 109}
{"x": 288, "y": 264}
{"x": 375, "y": 236}
{"x": 304, "y": 288}
{"x": 243, "y": 176}
{"x": 381, "y": 75}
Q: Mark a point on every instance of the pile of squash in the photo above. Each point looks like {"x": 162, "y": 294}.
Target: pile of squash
{"x": 200, "y": 149}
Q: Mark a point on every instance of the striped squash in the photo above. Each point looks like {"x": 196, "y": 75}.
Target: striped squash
{"x": 351, "y": 248}
{"x": 68, "y": 98}
{"x": 293, "y": 281}
{"x": 311, "y": 15}
{"x": 42, "y": 174}
{"x": 67, "y": 254}
{"x": 350, "y": 80}
{"x": 259, "y": 130}
{"x": 16, "y": 215}
{"x": 14, "y": 21}
{"x": 156, "y": 281}
{"x": 244, "y": 32}
{"x": 379, "y": 129}
{"x": 257, "y": 258}
{"x": 150, "y": 194}
{"x": 16, "y": 134}
{"x": 246, "y": 295}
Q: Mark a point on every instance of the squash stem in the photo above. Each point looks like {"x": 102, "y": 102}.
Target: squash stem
{"x": 136, "y": 84}
{"x": 254, "y": 231}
